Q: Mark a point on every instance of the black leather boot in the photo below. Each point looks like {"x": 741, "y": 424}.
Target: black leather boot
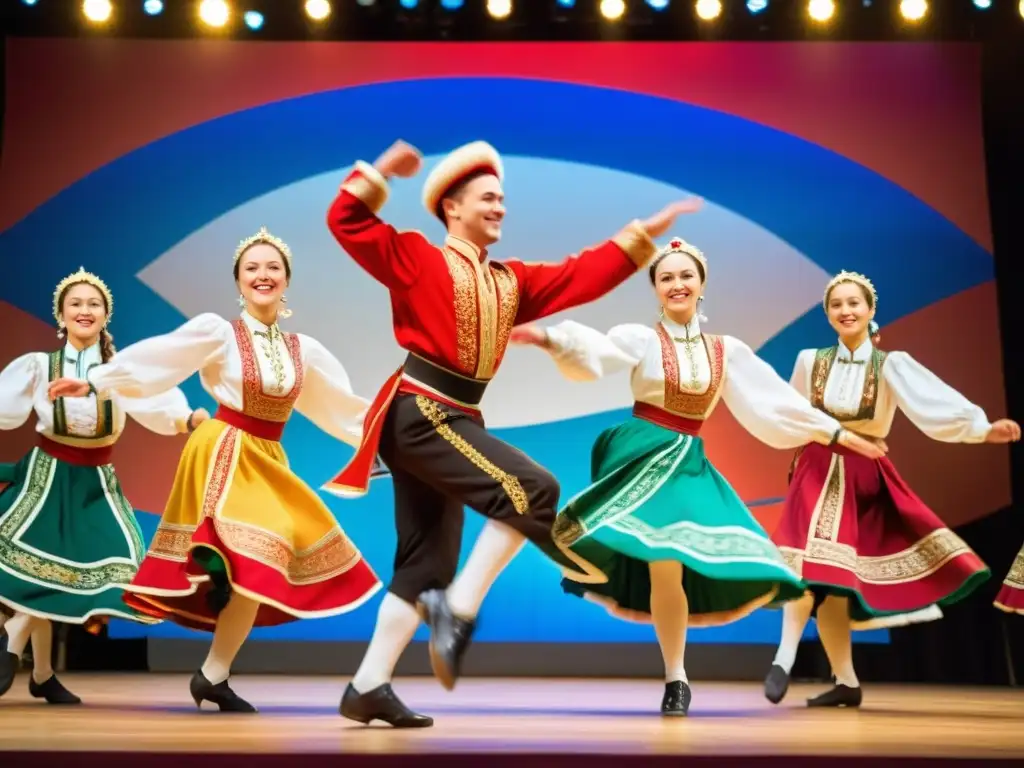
{"x": 219, "y": 694}
{"x": 380, "y": 704}
{"x": 52, "y": 690}
{"x": 676, "y": 701}
{"x": 9, "y": 665}
{"x": 449, "y": 636}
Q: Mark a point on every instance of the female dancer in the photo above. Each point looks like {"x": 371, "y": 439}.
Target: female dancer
{"x": 673, "y": 541}
{"x": 69, "y": 541}
{"x": 850, "y": 526}
{"x": 243, "y": 541}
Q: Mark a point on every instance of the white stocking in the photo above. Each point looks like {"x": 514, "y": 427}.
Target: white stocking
{"x": 670, "y": 612}
{"x": 233, "y": 625}
{"x": 397, "y": 621}
{"x": 19, "y": 630}
{"x": 494, "y": 549}
{"x": 795, "y": 615}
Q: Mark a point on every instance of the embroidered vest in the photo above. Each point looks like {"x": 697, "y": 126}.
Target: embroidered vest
{"x": 104, "y": 408}
{"x": 824, "y": 359}
{"x": 256, "y": 402}
{"x": 691, "y": 405}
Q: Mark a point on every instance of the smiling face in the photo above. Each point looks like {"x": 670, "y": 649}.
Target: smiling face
{"x": 475, "y": 210}
{"x": 850, "y": 310}
{"x": 84, "y": 313}
{"x": 262, "y": 277}
{"x": 679, "y": 282}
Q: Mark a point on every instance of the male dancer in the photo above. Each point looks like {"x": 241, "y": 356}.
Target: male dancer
{"x": 453, "y": 310}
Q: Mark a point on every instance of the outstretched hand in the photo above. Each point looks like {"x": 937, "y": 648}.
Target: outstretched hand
{"x": 65, "y": 387}
{"x": 1003, "y": 431}
{"x": 400, "y": 159}
{"x": 660, "y": 223}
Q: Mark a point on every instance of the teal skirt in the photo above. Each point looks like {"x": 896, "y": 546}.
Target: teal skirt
{"x": 68, "y": 541}
{"x": 654, "y": 496}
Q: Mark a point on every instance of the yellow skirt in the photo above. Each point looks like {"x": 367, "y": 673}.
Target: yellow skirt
{"x": 238, "y": 516}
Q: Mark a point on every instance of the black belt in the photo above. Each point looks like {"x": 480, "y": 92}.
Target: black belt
{"x": 452, "y": 385}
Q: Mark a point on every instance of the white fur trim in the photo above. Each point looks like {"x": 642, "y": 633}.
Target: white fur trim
{"x": 454, "y": 166}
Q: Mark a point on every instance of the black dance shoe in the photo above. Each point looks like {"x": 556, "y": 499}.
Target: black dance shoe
{"x": 676, "y": 701}
{"x": 9, "y": 665}
{"x": 840, "y": 696}
{"x": 449, "y": 636}
{"x": 380, "y": 704}
{"x": 52, "y": 690}
{"x": 219, "y": 694}
{"x": 776, "y": 684}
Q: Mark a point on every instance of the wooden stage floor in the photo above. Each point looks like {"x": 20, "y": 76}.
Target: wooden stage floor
{"x": 153, "y": 713}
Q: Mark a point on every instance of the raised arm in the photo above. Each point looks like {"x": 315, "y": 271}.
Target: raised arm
{"x": 327, "y": 398}
{"x": 585, "y": 354}
{"x": 391, "y": 257}
{"x": 18, "y": 383}
{"x": 766, "y": 406}
{"x": 933, "y": 406}
{"x": 154, "y": 365}
{"x": 167, "y": 413}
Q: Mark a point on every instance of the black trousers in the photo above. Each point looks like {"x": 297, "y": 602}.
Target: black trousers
{"x": 441, "y": 460}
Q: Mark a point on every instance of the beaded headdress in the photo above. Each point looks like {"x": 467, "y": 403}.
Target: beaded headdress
{"x": 81, "y": 276}
{"x": 678, "y": 245}
{"x": 851, "y": 277}
{"x": 263, "y": 236}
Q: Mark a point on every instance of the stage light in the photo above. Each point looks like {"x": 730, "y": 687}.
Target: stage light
{"x": 97, "y": 10}
{"x": 913, "y": 10}
{"x": 215, "y": 13}
{"x": 613, "y": 9}
{"x": 658, "y": 5}
{"x": 30, "y": 2}
{"x": 452, "y": 5}
{"x": 409, "y": 5}
{"x": 756, "y": 6}
{"x": 318, "y": 10}
{"x": 253, "y": 19}
{"x": 709, "y": 9}
{"x": 821, "y": 10}
{"x": 983, "y": 4}
{"x": 1020, "y": 8}
{"x": 153, "y": 7}
{"x": 566, "y": 3}
{"x": 499, "y": 9}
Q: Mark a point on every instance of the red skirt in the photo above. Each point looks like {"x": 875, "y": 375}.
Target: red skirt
{"x": 852, "y": 526}
{"x": 1011, "y": 594}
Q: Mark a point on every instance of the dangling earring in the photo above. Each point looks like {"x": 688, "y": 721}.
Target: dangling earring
{"x": 241, "y": 301}
{"x": 284, "y": 312}
{"x": 60, "y": 329}
{"x": 661, "y": 314}
{"x": 700, "y": 314}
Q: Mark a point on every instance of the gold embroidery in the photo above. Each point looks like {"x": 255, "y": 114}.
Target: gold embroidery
{"x": 367, "y": 184}
{"x": 691, "y": 405}
{"x": 824, "y": 359}
{"x": 830, "y": 507}
{"x": 634, "y": 240}
{"x": 256, "y": 402}
{"x": 916, "y": 562}
{"x": 508, "y": 305}
{"x": 510, "y": 483}
{"x": 487, "y": 302}
{"x": 1015, "y": 578}
{"x": 466, "y": 316}
{"x": 220, "y": 474}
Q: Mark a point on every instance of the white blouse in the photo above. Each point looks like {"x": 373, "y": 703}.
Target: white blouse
{"x": 207, "y": 344}
{"x": 848, "y": 386}
{"x": 23, "y": 389}
{"x": 762, "y": 402}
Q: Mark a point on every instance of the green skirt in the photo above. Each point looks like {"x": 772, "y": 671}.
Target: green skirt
{"x": 68, "y": 541}
{"x": 654, "y": 496}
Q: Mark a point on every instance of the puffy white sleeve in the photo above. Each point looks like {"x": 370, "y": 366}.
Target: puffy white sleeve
{"x": 154, "y": 365}
{"x": 933, "y": 406}
{"x": 327, "y": 398}
{"x": 802, "y": 370}
{"x": 165, "y": 414}
{"x": 18, "y": 383}
{"x": 766, "y": 406}
{"x": 584, "y": 354}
